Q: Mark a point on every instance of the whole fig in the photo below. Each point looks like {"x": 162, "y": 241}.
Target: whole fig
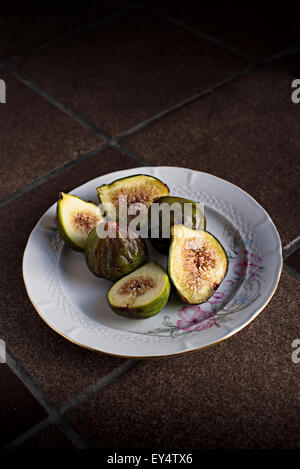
{"x": 113, "y": 257}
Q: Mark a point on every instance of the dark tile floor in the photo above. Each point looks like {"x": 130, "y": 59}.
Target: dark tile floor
{"x": 175, "y": 85}
{"x": 234, "y": 395}
{"x": 256, "y": 119}
{"x": 256, "y": 28}
{"x": 54, "y": 137}
{"x": 151, "y": 79}
{"x": 290, "y": 63}
{"x": 19, "y": 410}
{"x": 28, "y": 26}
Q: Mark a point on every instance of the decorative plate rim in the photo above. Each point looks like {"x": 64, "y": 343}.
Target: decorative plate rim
{"x": 169, "y": 354}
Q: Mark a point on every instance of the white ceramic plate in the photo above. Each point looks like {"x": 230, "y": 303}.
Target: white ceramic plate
{"x": 73, "y": 302}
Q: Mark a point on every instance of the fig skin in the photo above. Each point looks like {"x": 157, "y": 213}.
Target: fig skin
{"x": 130, "y": 183}
{"x": 161, "y": 244}
{"x": 147, "y": 310}
{"x": 113, "y": 258}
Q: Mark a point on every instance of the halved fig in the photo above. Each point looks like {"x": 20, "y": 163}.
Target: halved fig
{"x": 114, "y": 256}
{"x": 141, "y": 294}
{"x": 137, "y": 189}
{"x": 197, "y": 264}
{"x": 75, "y": 219}
{"x": 167, "y": 211}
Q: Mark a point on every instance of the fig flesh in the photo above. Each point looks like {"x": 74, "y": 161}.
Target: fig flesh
{"x": 141, "y": 294}
{"x": 134, "y": 189}
{"x": 197, "y": 264}
{"x": 75, "y": 219}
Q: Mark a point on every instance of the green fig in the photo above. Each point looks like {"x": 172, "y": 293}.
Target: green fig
{"x": 75, "y": 219}
{"x": 197, "y": 264}
{"x": 115, "y": 255}
{"x": 189, "y": 214}
{"x": 141, "y": 294}
{"x": 139, "y": 188}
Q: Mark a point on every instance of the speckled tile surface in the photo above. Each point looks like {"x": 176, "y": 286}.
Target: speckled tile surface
{"x": 36, "y": 137}
{"x": 30, "y": 25}
{"x": 290, "y": 63}
{"x": 133, "y": 79}
{"x": 246, "y": 133}
{"x": 294, "y": 260}
{"x": 130, "y": 74}
{"x": 241, "y": 393}
{"x": 256, "y": 28}
{"x": 50, "y": 438}
{"x": 19, "y": 410}
{"x": 61, "y": 368}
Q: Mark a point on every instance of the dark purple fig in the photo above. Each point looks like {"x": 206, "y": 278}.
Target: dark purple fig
{"x": 190, "y": 214}
{"x": 113, "y": 257}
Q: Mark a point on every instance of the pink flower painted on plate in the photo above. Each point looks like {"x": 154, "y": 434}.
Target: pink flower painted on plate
{"x": 250, "y": 265}
{"x": 193, "y": 318}
{"x": 218, "y": 297}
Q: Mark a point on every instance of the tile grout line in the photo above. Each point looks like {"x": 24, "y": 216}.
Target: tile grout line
{"x": 70, "y": 164}
{"x": 156, "y": 11}
{"x": 196, "y": 31}
{"x": 24, "y": 376}
{"x": 101, "y": 384}
{"x": 184, "y": 103}
{"x": 51, "y": 175}
{"x": 114, "y": 141}
{"x": 283, "y": 53}
{"x": 55, "y": 102}
{"x": 291, "y": 248}
{"x": 88, "y": 27}
{"x": 57, "y": 415}
{"x": 289, "y": 270}
{"x": 268, "y": 60}
{"x": 54, "y": 416}
{"x": 12, "y": 362}
{"x": 280, "y": 70}
{"x": 108, "y": 140}
{"x": 128, "y": 152}
{"x": 32, "y": 432}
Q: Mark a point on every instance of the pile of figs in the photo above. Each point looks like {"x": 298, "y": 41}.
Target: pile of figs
{"x": 197, "y": 262}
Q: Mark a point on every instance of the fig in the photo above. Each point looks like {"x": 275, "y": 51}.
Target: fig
{"x": 75, "y": 219}
{"x": 136, "y": 189}
{"x": 161, "y": 218}
{"x": 141, "y": 294}
{"x": 113, "y": 257}
{"x": 197, "y": 264}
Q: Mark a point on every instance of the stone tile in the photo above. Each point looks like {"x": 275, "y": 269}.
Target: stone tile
{"x": 19, "y": 410}
{"x": 50, "y": 438}
{"x": 294, "y": 260}
{"x": 34, "y": 24}
{"x": 255, "y": 28}
{"x": 127, "y": 71}
{"x": 291, "y": 64}
{"x": 61, "y": 368}
{"x": 35, "y": 137}
{"x": 245, "y": 132}
{"x": 241, "y": 393}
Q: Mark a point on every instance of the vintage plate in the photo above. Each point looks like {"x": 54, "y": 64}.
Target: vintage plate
{"x": 73, "y": 302}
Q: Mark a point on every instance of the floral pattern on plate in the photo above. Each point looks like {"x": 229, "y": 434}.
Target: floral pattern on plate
{"x": 248, "y": 272}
